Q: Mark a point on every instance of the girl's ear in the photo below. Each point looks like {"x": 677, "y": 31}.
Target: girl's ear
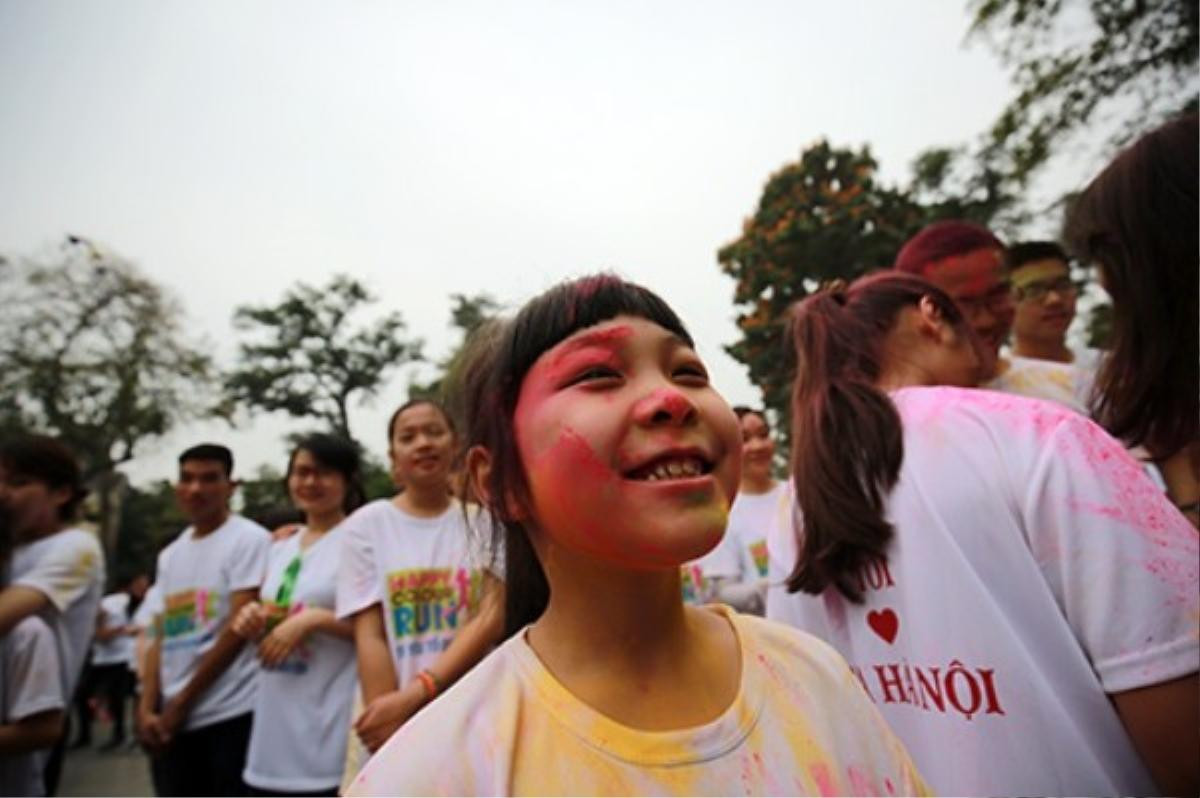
{"x": 479, "y": 474}
{"x": 931, "y": 321}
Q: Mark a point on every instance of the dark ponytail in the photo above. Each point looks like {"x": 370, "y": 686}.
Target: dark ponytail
{"x": 848, "y": 441}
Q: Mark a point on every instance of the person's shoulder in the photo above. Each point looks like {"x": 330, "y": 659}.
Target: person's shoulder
{"x": 243, "y": 527}
{"x": 771, "y": 638}
{"x": 440, "y": 750}
{"x": 929, "y": 407}
{"x": 370, "y": 516}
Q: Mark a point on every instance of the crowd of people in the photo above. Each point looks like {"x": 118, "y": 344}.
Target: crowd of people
{"x": 981, "y": 574}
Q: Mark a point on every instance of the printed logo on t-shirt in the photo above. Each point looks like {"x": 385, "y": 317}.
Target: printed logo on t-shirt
{"x": 693, "y": 582}
{"x": 426, "y": 603}
{"x": 188, "y": 613}
{"x": 758, "y": 551}
{"x": 954, "y": 688}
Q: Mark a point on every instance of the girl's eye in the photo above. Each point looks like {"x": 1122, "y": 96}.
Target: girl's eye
{"x": 691, "y": 373}
{"x": 594, "y": 374}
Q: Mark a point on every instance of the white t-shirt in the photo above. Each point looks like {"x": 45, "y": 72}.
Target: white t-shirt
{"x": 29, "y": 685}
{"x": 302, "y": 710}
{"x": 143, "y": 619}
{"x": 426, "y": 572}
{"x": 699, "y": 577}
{"x": 799, "y": 725}
{"x": 1035, "y": 569}
{"x": 68, "y": 568}
{"x": 196, "y": 577}
{"x": 1069, "y": 384}
{"x": 114, "y": 610}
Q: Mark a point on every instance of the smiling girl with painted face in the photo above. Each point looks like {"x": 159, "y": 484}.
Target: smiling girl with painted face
{"x": 600, "y": 448}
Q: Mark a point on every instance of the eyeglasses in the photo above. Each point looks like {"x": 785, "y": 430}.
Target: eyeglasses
{"x": 1063, "y": 286}
{"x": 997, "y": 300}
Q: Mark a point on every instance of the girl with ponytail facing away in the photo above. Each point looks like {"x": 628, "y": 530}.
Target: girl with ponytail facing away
{"x": 1010, "y": 588}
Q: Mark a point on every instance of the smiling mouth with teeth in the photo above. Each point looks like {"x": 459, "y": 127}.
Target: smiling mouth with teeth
{"x": 674, "y": 468}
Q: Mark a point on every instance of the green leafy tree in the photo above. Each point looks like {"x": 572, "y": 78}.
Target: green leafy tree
{"x": 1076, "y": 62}
{"x": 303, "y": 357}
{"x": 467, "y": 314}
{"x": 822, "y": 218}
{"x": 92, "y": 351}
{"x": 150, "y": 518}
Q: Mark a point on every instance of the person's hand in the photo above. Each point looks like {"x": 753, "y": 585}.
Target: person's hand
{"x": 171, "y": 719}
{"x": 150, "y": 731}
{"x": 283, "y": 639}
{"x": 386, "y": 714}
{"x": 251, "y": 621}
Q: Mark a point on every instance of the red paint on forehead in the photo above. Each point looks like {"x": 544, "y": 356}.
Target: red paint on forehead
{"x": 967, "y": 275}
{"x": 606, "y": 337}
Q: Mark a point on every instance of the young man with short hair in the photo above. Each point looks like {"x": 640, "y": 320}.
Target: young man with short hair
{"x": 57, "y": 570}
{"x": 199, "y": 669}
{"x": 1041, "y": 362}
{"x": 966, "y": 260}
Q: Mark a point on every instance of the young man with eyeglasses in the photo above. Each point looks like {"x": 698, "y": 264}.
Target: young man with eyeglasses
{"x": 1041, "y": 362}
{"x": 998, "y": 290}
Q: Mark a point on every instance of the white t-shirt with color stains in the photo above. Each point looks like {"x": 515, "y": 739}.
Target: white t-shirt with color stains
{"x": 68, "y": 569}
{"x": 1034, "y": 570}
{"x": 29, "y": 685}
{"x": 799, "y": 725}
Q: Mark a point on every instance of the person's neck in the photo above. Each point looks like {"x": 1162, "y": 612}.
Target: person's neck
{"x": 1056, "y": 350}
{"x": 44, "y": 532}
{"x": 643, "y": 658}
{"x": 755, "y": 485}
{"x": 318, "y": 524}
{"x": 424, "y": 501}
{"x": 206, "y": 526}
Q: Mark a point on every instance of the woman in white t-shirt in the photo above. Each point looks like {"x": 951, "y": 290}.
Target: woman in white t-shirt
{"x": 415, "y": 581}
{"x": 1013, "y": 592}
{"x": 758, "y": 499}
{"x": 599, "y": 446}
{"x": 306, "y": 685}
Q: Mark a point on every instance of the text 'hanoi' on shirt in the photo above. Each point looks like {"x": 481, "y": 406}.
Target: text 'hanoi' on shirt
{"x": 1034, "y": 570}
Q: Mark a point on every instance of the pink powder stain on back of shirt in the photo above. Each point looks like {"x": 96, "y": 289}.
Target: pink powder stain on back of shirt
{"x": 824, "y": 779}
{"x": 861, "y": 782}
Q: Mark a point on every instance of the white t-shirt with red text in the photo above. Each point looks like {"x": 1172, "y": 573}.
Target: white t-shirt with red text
{"x": 1035, "y": 569}
{"x": 196, "y": 579}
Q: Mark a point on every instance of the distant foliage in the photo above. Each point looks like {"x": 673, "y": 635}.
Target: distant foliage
{"x": 827, "y": 217}
{"x": 1135, "y": 61}
{"x": 303, "y": 357}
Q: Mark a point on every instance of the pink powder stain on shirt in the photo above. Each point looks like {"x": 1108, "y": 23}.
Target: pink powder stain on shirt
{"x": 824, "y": 779}
{"x": 861, "y": 782}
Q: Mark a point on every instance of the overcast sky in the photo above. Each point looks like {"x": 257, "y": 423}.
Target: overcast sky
{"x": 233, "y": 148}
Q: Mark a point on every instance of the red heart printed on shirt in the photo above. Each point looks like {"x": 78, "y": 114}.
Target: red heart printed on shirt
{"x": 884, "y": 623}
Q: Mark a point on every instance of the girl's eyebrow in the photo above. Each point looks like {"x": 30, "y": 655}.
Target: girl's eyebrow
{"x": 609, "y": 338}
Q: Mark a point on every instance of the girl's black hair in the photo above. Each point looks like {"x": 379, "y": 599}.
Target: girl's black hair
{"x": 46, "y": 460}
{"x": 339, "y": 454}
{"x": 414, "y": 403}
{"x": 498, "y": 358}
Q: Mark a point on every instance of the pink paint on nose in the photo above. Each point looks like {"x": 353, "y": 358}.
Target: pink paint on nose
{"x": 671, "y": 401}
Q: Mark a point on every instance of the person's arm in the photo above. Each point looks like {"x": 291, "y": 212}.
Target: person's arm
{"x": 212, "y": 664}
{"x": 387, "y": 712}
{"x": 375, "y": 671}
{"x": 147, "y": 719}
{"x": 283, "y": 639}
{"x": 104, "y": 632}
{"x": 18, "y": 602}
{"x": 32, "y": 733}
{"x": 1163, "y": 721}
